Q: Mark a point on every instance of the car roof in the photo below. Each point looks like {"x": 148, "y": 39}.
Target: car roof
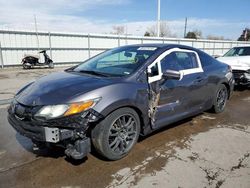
{"x": 241, "y": 47}
{"x": 165, "y": 45}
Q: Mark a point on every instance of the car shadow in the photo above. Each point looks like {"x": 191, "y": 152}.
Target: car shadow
{"x": 47, "y": 152}
{"x": 58, "y": 152}
{"x": 241, "y": 88}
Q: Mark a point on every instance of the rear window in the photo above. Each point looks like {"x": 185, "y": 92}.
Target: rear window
{"x": 206, "y": 60}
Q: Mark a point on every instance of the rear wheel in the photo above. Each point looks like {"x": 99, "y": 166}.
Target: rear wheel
{"x": 220, "y": 99}
{"x": 116, "y": 135}
{"x": 26, "y": 66}
{"x": 51, "y": 65}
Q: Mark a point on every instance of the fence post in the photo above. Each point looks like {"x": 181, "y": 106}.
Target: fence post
{"x": 119, "y": 42}
{"x": 223, "y": 45}
{"x": 88, "y": 46}
{"x": 214, "y": 48}
{"x": 1, "y": 56}
{"x": 50, "y": 49}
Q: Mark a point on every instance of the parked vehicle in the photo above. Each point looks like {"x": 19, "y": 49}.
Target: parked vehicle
{"x": 29, "y": 61}
{"x": 112, "y": 98}
{"x": 239, "y": 59}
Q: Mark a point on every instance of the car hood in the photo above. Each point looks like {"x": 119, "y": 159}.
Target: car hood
{"x": 59, "y": 88}
{"x": 237, "y": 63}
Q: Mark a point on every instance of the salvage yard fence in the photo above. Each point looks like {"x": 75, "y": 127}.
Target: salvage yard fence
{"x": 74, "y": 48}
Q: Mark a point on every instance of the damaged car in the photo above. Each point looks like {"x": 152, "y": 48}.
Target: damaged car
{"x": 239, "y": 59}
{"x": 108, "y": 101}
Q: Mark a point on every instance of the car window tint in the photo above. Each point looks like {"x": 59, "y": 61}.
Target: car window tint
{"x": 187, "y": 60}
{"x": 246, "y": 51}
{"x": 170, "y": 62}
{"x": 179, "y": 61}
{"x": 206, "y": 60}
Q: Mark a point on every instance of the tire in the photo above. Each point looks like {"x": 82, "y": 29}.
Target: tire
{"x": 51, "y": 65}
{"x": 220, "y": 99}
{"x": 115, "y": 136}
{"x": 25, "y": 66}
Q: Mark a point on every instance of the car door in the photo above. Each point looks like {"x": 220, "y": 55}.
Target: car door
{"x": 171, "y": 99}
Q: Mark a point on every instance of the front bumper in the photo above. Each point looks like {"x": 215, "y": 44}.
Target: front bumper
{"x": 241, "y": 77}
{"x": 39, "y": 133}
{"x": 70, "y": 132}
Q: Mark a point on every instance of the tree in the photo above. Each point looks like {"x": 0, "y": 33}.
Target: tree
{"x": 191, "y": 35}
{"x": 245, "y": 36}
{"x": 195, "y": 34}
{"x": 164, "y": 30}
{"x": 118, "y": 30}
{"x": 146, "y": 34}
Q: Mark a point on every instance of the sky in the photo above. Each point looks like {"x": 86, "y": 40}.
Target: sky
{"x": 225, "y": 18}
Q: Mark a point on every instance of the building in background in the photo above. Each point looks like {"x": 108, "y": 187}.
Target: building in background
{"x": 245, "y": 36}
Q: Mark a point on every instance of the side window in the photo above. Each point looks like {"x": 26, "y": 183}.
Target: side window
{"x": 187, "y": 60}
{"x": 179, "y": 61}
{"x": 206, "y": 60}
{"x": 170, "y": 62}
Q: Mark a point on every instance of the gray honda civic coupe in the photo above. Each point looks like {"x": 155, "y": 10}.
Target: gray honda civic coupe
{"x": 106, "y": 102}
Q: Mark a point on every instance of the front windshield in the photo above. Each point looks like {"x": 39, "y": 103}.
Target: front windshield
{"x": 117, "y": 62}
{"x": 239, "y": 51}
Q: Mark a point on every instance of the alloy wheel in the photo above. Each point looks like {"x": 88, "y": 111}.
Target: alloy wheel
{"x": 122, "y": 134}
{"x": 221, "y": 98}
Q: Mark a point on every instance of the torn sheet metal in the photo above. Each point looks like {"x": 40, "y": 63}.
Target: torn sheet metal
{"x": 154, "y": 98}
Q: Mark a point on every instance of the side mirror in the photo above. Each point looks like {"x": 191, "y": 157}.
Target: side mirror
{"x": 128, "y": 54}
{"x": 172, "y": 74}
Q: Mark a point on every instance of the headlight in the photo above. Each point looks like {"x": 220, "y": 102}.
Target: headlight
{"x": 55, "y": 111}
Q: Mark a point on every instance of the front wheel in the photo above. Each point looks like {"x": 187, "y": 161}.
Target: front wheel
{"x": 220, "y": 99}
{"x": 115, "y": 136}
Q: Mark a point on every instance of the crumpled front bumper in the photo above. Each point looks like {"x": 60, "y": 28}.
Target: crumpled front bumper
{"x": 70, "y": 132}
{"x": 241, "y": 77}
{"x": 39, "y": 133}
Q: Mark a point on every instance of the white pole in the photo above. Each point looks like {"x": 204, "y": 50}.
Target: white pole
{"x": 185, "y": 28}
{"x": 1, "y": 56}
{"x": 158, "y": 17}
{"x": 37, "y": 39}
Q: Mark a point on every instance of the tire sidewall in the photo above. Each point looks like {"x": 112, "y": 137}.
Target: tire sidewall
{"x": 100, "y": 136}
{"x": 216, "y": 109}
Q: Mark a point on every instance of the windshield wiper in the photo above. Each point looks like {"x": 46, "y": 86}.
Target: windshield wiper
{"x": 94, "y": 73}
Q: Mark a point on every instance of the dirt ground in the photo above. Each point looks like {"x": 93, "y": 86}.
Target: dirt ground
{"x": 209, "y": 150}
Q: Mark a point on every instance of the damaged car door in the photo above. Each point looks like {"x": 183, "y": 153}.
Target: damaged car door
{"x": 172, "y": 98}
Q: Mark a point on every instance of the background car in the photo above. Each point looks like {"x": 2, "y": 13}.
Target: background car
{"x": 239, "y": 59}
{"x": 111, "y": 99}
